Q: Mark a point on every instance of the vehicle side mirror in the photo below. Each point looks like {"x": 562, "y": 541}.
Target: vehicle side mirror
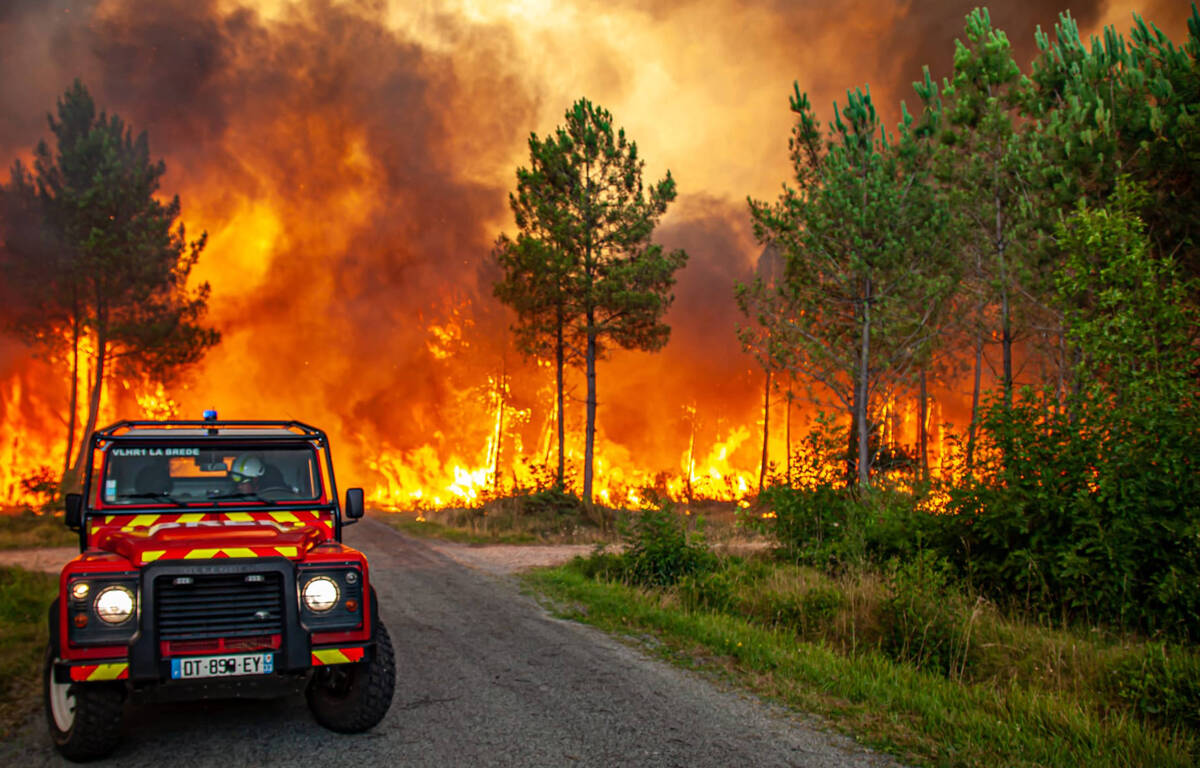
{"x": 354, "y": 505}
{"x": 74, "y": 511}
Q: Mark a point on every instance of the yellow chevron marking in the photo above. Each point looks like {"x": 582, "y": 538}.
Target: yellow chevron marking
{"x": 239, "y": 552}
{"x": 108, "y": 671}
{"x": 152, "y": 555}
{"x": 331, "y": 656}
{"x": 109, "y": 518}
{"x": 239, "y": 517}
{"x": 140, "y": 521}
{"x": 284, "y": 517}
{"x": 201, "y": 554}
{"x": 286, "y": 551}
{"x": 193, "y": 517}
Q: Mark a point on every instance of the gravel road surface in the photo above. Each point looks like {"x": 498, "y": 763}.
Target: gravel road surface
{"x": 485, "y": 678}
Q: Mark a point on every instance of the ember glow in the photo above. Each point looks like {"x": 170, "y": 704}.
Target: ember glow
{"x": 350, "y": 163}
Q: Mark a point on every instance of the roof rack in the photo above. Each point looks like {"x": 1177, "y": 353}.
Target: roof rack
{"x": 288, "y": 429}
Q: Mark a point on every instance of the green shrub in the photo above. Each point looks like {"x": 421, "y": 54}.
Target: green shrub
{"x": 660, "y": 552}
{"x": 1078, "y": 515}
{"x": 1160, "y": 683}
{"x": 601, "y": 565}
{"x": 714, "y": 590}
{"x": 925, "y": 621}
{"x": 820, "y": 606}
{"x": 809, "y": 613}
{"x": 837, "y": 527}
{"x": 1085, "y": 504}
{"x": 817, "y": 526}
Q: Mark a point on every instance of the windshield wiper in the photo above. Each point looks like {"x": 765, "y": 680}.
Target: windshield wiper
{"x": 242, "y": 495}
{"x": 155, "y": 496}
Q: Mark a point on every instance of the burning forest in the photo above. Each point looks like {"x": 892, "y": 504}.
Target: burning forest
{"x": 350, "y": 165}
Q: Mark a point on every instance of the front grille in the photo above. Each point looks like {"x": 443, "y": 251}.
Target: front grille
{"x": 218, "y": 606}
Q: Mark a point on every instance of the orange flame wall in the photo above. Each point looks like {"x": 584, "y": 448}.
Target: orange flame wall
{"x": 351, "y": 161}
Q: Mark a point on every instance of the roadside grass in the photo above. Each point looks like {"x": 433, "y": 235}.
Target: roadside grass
{"x": 1015, "y": 694}
{"x": 540, "y": 517}
{"x": 27, "y": 530}
{"x": 425, "y": 528}
{"x": 24, "y": 600}
{"x": 552, "y": 517}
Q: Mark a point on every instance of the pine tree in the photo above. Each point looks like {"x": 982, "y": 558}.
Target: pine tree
{"x": 1123, "y": 105}
{"x": 865, "y": 271}
{"x": 122, "y": 264}
{"x": 990, "y": 168}
{"x": 582, "y": 274}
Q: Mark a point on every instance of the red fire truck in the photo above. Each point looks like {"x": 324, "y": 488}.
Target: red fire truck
{"x": 211, "y": 565}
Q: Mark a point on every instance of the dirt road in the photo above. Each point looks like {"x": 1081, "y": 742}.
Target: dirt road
{"x": 485, "y": 677}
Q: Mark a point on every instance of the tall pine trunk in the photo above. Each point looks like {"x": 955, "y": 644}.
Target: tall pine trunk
{"x": 691, "y": 463}
{"x": 1006, "y": 342}
{"x": 73, "y": 412}
{"x": 922, "y": 432}
{"x": 500, "y": 392}
{"x": 787, "y": 436}
{"x": 973, "y": 427}
{"x": 852, "y": 443}
{"x": 1005, "y": 319}
{"x": 97, "y": 388}
{"x": 762, "y": 471}
{"x": 559, "y": 362}
{"x": 590, "y": 429}
{"x": 862, "y": 390}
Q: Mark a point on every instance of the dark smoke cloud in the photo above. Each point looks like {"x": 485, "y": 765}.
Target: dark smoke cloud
{"x": 347, "y": 131}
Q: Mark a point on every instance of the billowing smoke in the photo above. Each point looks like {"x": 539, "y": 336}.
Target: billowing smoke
{"x": 350, "y": 163}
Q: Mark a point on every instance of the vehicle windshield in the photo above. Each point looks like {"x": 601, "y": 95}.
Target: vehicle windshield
{"x": 179, "y": 474}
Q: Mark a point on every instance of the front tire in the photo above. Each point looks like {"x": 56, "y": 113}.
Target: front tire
{"x": 84, "y": 718}
{"x": 351, "y": 698}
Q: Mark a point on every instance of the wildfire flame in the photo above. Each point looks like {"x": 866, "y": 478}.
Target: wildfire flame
{"x": 352, "y": 187}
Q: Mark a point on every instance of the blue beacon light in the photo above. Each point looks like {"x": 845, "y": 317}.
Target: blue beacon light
{"x": 210, "y": 414}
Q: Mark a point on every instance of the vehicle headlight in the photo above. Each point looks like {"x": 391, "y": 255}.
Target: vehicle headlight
{"x": 114, "y": 605}
{"x": 320, "y": 594}
{"x": 80, "y": 589}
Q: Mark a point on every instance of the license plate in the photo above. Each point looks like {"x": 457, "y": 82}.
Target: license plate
{"x": 222, "y": 666}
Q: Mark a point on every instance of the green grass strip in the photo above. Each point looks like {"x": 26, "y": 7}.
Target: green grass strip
{"x": 24, "y": 601}
{"x": 920, "y": 717}
{"x": 429, "y": 529}
{"x": 26, "y": 530}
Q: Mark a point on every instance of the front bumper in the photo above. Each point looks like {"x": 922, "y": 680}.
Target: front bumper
{"x": 147, "y": 659}
{"x": 118, "y": 669}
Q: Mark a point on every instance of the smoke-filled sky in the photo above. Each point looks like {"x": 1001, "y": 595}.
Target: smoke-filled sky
{"x": 350, "y": 162}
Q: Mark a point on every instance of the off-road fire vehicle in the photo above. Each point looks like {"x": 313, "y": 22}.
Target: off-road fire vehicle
{"x": 211, "y": 565}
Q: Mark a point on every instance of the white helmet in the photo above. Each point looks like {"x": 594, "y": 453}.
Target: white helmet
{"x": 247, "y": 467}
